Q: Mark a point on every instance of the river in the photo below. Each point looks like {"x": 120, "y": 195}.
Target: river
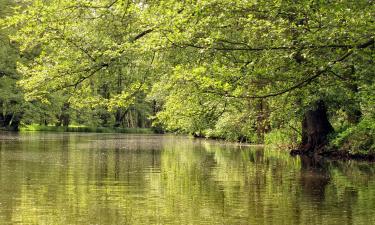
{"x": 73, "y": 178}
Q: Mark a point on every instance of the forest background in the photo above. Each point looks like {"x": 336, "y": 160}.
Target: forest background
{"x": 297, "y": 74}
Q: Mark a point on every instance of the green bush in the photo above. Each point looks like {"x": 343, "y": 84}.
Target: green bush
{"x": 282, "y": 138}
{"x": 234, "y": 127}
{"x": 358, "y": 139}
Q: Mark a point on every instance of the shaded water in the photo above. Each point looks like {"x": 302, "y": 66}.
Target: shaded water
{"x": 48, "y": 178}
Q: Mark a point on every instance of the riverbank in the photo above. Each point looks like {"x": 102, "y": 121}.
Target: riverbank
{"x": 281, "y": 140}
{"x": 43, "y": 128}
{"x": 336, "y": 155}
{"x": 276, "y": 143}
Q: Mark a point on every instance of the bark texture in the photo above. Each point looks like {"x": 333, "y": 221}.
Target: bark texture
{"x": 315, "y": 130}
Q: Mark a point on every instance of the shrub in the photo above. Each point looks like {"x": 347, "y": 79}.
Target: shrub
{"x": 283, "y": 138}
{"x": 358, "y": 139}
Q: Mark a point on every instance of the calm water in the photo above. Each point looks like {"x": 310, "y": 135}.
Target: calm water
{"x": 48, "y": 178}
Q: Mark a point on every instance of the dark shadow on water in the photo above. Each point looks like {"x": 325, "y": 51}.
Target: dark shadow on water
{"x": 314, "y": 178}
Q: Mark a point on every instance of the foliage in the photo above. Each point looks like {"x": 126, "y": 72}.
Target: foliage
{"x": 234, "y": 53}
{"x": 282, "y": 138}
{"x": 230, "y": 69}
{"x": 358, "y": 139}
{"x": 233, "y": 127}
{"x": 11, "y": 96}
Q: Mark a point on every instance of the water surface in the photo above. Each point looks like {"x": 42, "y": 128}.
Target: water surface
{"x": 67, "y": 178}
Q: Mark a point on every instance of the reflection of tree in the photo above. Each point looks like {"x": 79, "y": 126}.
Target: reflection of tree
{"x": 314, "y": 178}
{"x": 340, "y": 192}
{"x": 9, "y": 182}
{"x": 186, "y": 182}
{"x": 176, "y": 181}
{"x": 117, "y": 164}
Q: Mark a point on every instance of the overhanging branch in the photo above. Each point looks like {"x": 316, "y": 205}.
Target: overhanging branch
{"x": 306, "y": 81}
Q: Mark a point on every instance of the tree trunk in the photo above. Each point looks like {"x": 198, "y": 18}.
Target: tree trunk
{"x": 118, "y": 118}
{"x": 15, "y": 123}
{"x": 315, "y": 130}
{"x": 10, "y": 121}
{"x": 64, "y": 118}
{"x": 354, "y": 113}
{"x": 262, "y": 120}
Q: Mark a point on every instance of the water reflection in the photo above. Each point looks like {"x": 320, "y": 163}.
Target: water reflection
{"x": 133, "y": 179}
{"x": 315, "y": 177}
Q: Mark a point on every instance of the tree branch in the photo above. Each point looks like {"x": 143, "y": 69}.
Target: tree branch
{"x": 142, "y": 34}
{"x": 270, "y": 48}
{"x": 308, "y": 80}
{"x": 102, "y": 65}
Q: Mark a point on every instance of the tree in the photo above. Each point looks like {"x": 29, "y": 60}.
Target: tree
{"x": 77, "y": 48}
{"x": 11, "y": 97}
{"x": 303, "y": 53}
{"x": 216, "y": 67}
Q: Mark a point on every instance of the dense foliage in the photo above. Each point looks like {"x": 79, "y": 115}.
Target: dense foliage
{"x": 239, "y": 70}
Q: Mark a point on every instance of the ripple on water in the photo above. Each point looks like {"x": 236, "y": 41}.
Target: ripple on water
{"x": 70, "y": 178}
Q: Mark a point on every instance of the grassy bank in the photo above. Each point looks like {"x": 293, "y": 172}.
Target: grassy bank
{"x": 34, "y": 127}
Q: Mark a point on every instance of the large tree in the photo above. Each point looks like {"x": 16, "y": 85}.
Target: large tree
{"x": 267, "y": 58}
